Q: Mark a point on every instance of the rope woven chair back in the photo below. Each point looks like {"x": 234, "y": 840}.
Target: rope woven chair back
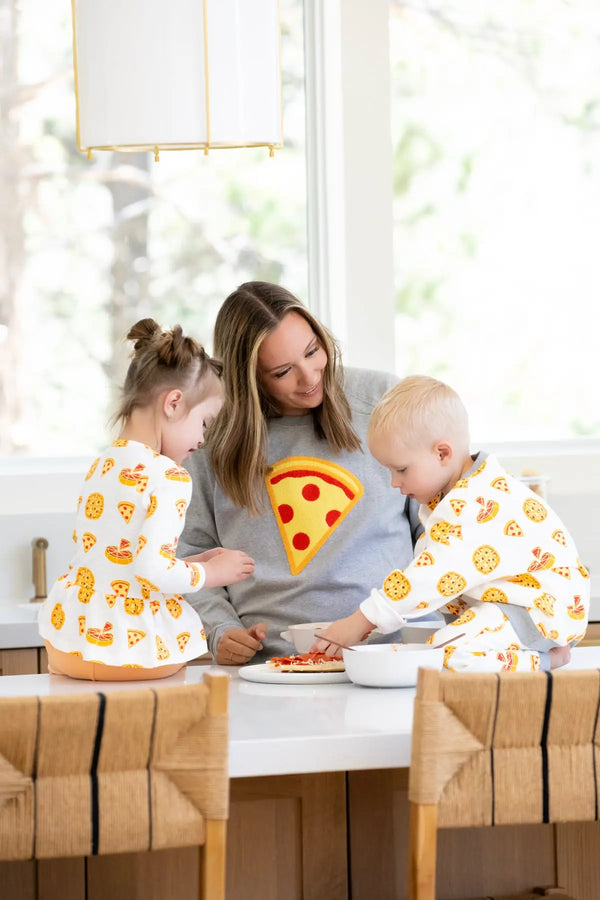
{"x": 499, "y": 749}
{"x": 115, "y": 772}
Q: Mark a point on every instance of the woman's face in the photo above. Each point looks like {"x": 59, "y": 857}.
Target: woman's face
{"x": 291, "y": 361}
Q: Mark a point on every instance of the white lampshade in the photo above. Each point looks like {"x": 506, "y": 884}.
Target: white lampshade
{"x": 177, "y": 74}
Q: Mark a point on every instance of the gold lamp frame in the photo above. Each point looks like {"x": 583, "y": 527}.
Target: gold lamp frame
{"x": 156, "y": 147}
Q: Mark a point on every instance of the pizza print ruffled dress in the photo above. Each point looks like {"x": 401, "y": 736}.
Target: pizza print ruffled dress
{"x": 120, "y": 601}
{"x": 500, "y": 564}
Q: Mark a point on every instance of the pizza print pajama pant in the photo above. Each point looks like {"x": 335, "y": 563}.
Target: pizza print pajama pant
{"x": 489, "y": 643}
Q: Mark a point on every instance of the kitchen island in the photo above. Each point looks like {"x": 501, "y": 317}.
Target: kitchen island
{"x": 318, "y": 808}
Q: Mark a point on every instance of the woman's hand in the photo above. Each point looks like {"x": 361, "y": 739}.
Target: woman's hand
{"x": 225, "y": 567}
{"x": 238, "y": 645}
{"x": 348, "y": 631}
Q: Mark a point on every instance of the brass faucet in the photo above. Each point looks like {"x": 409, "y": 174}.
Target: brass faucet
{"x": 40, "y": 545}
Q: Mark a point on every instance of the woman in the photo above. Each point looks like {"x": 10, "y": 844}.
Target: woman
{"x": 286, "y": 477}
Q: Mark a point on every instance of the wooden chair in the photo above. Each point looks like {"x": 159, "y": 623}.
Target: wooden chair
{"x": 122, "y": 771}
{"x": 492, "y": 749}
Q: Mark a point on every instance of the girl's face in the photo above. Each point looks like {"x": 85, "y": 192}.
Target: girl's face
{"x": 291, "y": 362}
{"x": 184, "y": 429}
{"x": 420, "y": 472}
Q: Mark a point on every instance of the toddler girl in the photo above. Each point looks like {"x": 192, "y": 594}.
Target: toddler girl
{"x": 118, "y": 613}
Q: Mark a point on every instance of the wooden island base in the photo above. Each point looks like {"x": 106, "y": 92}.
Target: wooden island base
{"x": 308, "y": 837}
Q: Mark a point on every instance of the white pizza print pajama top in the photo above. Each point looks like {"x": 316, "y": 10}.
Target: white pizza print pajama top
{"x": 120, "y": 601}
{"x": 498, "y": 560}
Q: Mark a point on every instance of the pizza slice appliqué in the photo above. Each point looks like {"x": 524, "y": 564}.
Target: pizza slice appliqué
{"x": 310, "y": 498}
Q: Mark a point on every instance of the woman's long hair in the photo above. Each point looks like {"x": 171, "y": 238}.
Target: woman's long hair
{"x": 238, "y": 439}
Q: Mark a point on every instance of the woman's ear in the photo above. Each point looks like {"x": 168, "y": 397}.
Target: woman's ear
{"x": 171, "y": 402}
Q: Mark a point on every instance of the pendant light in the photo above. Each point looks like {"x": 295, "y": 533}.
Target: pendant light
{"x": 177, "y": 74}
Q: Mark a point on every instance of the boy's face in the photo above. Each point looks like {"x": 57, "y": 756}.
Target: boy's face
{"x": 420, "y": 472}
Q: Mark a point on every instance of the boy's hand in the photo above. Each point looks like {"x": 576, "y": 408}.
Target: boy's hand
{"x": 348, "y": 631}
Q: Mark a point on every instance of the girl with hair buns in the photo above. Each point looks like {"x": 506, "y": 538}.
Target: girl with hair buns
{"x": 117, "y": 614}
{"x": 286, "y": 475}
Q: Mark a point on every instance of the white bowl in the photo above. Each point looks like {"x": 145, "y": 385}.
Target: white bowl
{"x": 390, "y": 665}
{"x": 303, "y": 636}
{"x": 418, "y": 632}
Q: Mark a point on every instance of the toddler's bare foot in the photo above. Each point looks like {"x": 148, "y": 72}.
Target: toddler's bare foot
{"x": 559, "y": 656}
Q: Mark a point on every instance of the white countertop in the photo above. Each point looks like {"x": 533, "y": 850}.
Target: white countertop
{"x": 288, "y": 729}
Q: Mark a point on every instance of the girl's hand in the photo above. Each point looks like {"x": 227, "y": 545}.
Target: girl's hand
{"x": 227, "y": 567}
{"x": 348, "y": 631}
{"x": 204, "y": 557}
{"x": 238, "y": 645}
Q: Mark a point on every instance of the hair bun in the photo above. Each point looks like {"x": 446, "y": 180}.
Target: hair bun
{"x": 143, "y": 333}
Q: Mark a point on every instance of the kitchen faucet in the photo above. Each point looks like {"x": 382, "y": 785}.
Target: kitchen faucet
{"x": 39, "y": 546}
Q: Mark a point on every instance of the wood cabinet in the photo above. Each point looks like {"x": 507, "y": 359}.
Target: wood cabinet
{"x": 26, "y": 661}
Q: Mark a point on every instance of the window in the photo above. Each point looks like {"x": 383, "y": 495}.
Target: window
{"x": 496, "y": 133}
{"x": 91, "y": 247}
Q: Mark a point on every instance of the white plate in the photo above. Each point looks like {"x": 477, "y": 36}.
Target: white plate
{"x": 265, "y": 675}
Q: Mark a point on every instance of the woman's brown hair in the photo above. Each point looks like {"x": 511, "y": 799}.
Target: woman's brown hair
{"x": 239, "y": 437}
{"x": 163, "y": 360}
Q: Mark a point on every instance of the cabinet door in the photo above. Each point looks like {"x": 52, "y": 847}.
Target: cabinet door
{"x": 19, "y": 662}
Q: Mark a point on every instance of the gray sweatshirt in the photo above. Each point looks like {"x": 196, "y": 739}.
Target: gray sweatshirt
{"x": 376, "y": 536}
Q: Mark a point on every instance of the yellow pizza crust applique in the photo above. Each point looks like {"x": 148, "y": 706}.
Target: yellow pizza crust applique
{"x": 310, "y": 498}
{"x": 102, "y": 637}
{"x": 107, "y": 466}
{"x": 134, "y": 606}
{"x": 576, "y": 610}
{"x": 121, "y": 554}
{"x": 494, "y": 595}
{"x": 545, "y": 603}
{"x": 443, "y": 531}
{"x": 424, "y": 558}
{"x": 485, "y": 559}
{"x": 174, "y": 607}
{"x": 94, "y": 506}
{"x": 501, "y": 484}
{"x": 513, "y": 529}
{"x": 180, "y": 506}
{"x": 542, "y": 560}
{"x": 559, "y": 537}
{"x": 92, "y": 469}
{"x": 134, "y": 478}
{"x": 458, "y": 506}
{"x": 88, "y": 540}
{"x": 57, "y": 617}
{"x": 489, "y": 509}
{"x": 126, "y": 509}
{"x": 451, "y": 584}
{"x": 177, "y": 473}
{"x": 526, "y": 580}
{"x": 134, "y": 636}
{"x": 396, "y": 586}
{"x": 147, "y": 586}
{"x": 534, "y": 510}
{"x": 161, "y": 650}
{"x": 182, "y": 639}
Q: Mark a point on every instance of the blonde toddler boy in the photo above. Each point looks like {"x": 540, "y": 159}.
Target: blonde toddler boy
{"x": 494, "y": 558}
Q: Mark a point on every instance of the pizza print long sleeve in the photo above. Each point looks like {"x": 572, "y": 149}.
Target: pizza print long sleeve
{"x": 500, "y": 564}
{"x": 120, "y": 602}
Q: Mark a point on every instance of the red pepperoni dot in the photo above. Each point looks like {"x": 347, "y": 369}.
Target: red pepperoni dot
{"x": 332, "y": 516}
{"x": 301, "y": 541}
{"x": 311, "y": 492}
{"x": 286, "y": 513}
